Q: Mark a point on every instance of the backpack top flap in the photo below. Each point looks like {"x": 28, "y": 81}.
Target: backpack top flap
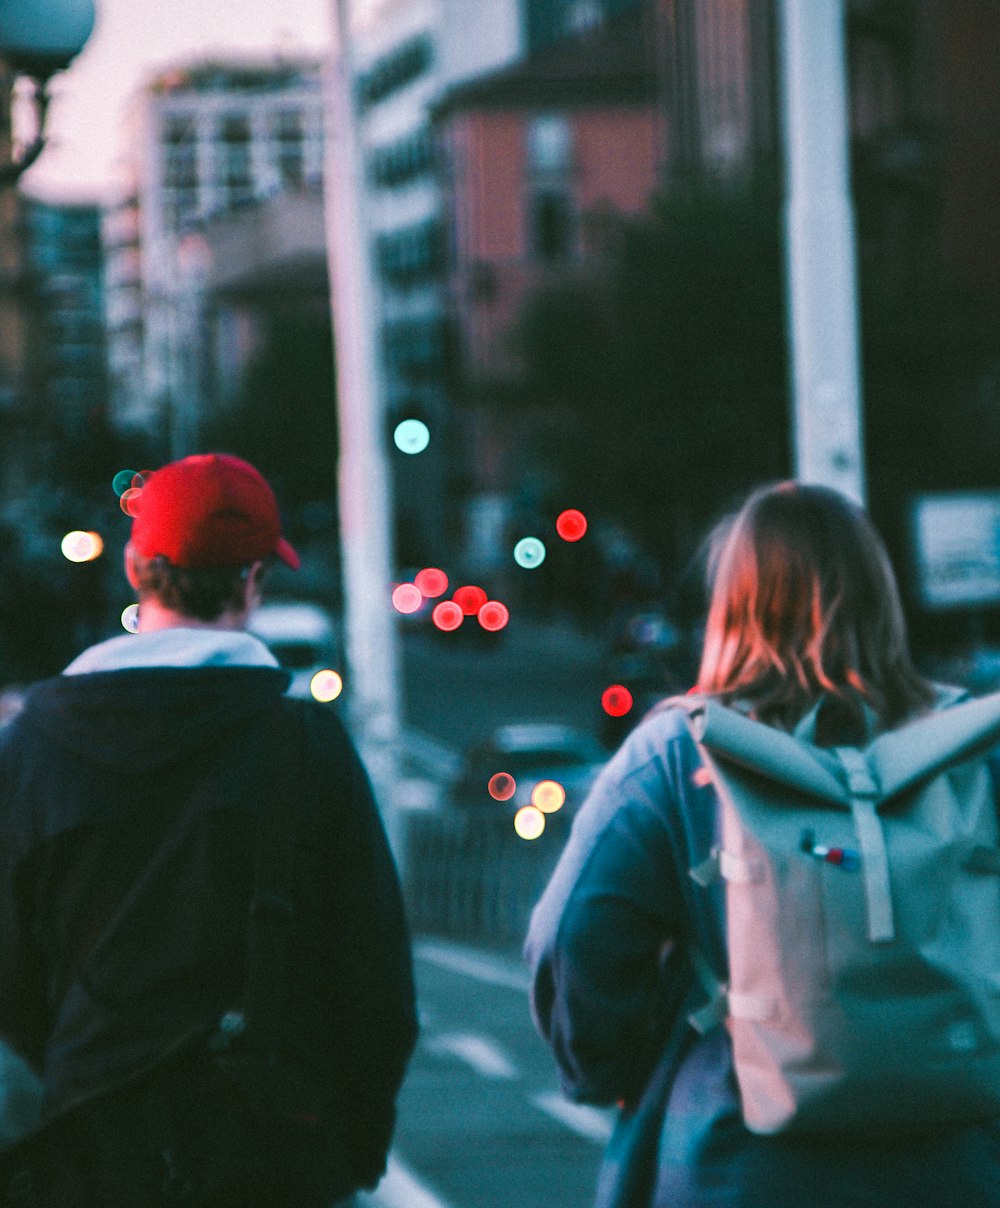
{"x": 897, "y": 760}
{"x": 862, "y": 781}
{"x": 763, "y": 749}
{"x": 919, "y": 750}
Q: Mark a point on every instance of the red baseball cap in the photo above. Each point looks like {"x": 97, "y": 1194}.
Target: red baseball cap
{"x": 208, "y": 510}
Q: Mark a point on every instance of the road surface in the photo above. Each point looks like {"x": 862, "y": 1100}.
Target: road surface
{"x": 482, "y": 1123}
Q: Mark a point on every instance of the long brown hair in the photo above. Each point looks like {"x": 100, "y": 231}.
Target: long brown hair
{"x": 804, "y": 602}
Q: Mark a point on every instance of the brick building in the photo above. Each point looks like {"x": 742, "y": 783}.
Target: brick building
{"x": 542, "y": 160}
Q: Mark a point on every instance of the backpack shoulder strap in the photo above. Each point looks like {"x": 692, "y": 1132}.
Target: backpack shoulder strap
{"x": 865, "y": 796}
{"x": 730, "y": 735}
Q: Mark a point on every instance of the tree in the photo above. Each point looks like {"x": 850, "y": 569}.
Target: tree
{"x": 667, "y": 372}
{"x": 283, "y": 418}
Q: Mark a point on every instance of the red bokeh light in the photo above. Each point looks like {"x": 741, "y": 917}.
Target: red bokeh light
{"x": 431, "y": 581}
{"x": 129, "y": 500}
{"x": 407, "y": 598}
{"x": 470, "y": 599}
{"x": 502, "y": 786}
{"x": 616, "y": 701}
{"x": 493, "y": 615}
{"x": 447, "y": 615}
{"x": 571, "y": 524}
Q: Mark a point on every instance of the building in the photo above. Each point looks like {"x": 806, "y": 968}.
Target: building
{"x": 410, "y": 54}
{"x": 207, "y": 140}
{"x": 53, "y": 384}
{"x": 547, "y": 21}
{"x": 124, "y": 315}
{"x": 924, "y": 112}
{"x": 543, "y": 159}
{"x": 406, "y": 55}
{"x": 67, "y": 351}
{"x": 15, "y": 410}
{"x": 226, "y": 208}
{"x": 719, "y": 65}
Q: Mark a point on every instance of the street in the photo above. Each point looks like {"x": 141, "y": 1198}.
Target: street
{"x": 456, "y": 690}
{"x": 482, "y": 1123}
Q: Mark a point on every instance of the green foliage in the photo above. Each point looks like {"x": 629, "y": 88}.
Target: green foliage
{"x": 284, "y": 418}
{"x": 668, "y": 373}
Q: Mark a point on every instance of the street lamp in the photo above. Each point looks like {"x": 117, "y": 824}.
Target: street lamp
{"x": 37, "y": 39}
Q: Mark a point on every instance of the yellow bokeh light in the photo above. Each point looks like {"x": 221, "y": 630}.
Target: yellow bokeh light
{"x": 548, "y": 796}
{"x": 326, "y": 685}
{"x": 79, "y": 546}
{"x": 529, "y": 822}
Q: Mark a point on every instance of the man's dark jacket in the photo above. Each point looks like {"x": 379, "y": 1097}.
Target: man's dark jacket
{"x": 97, "y": 775}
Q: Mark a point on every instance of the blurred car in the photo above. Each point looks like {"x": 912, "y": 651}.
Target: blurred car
{"x": 652, "y": 658}
{"x": 527, "y": 753}
{"x": 302, "y": 636}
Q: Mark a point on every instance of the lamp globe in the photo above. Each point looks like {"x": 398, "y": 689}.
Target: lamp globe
{"x": 41, "y": 37}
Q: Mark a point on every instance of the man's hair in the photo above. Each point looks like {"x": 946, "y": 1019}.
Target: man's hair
{"x": 204, "y": 594}
{"x": 804, "y": 602}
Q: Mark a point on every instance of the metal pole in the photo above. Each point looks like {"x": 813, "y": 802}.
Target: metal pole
{"x": 820, "y": 258}
{"x": 364, "y": 483}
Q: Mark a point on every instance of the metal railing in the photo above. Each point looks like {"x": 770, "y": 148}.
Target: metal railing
{"x": 470, "y": 876}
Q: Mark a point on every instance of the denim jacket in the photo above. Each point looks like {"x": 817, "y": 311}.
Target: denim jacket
{"x": 609, "y": 946}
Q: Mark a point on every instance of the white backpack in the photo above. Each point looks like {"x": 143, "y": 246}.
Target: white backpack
{"x": 862, "y": 895}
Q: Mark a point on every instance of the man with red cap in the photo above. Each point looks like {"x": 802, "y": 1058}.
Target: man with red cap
{"x": 203, "y": 952}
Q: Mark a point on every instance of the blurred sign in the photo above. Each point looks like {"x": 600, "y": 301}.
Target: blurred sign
{"x": 957, "y": 545}
{"x": 487, "y": 517}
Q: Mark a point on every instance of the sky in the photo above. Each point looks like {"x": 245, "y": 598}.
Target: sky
{"x": 131, "y": 40}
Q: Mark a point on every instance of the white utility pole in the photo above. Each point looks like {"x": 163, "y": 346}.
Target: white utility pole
{"x": 820, "y": 257}
{"x": 372, "y": 681}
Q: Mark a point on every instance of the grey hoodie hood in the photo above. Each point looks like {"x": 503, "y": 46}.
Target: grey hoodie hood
{"x": 143, "y": 703}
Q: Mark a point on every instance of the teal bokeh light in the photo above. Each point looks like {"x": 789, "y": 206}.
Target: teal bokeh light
{"x": 529, "y": 553}
{"x": 411, "y": 436}
{"x": 122, "y": 481}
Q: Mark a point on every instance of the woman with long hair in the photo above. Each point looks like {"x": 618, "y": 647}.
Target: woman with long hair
{"x": 804, "y": 627}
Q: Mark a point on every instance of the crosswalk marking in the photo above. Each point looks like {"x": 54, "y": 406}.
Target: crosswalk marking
{"x": 479, "y": 965}
{"x": 588, "y": 1122}
{"x": 400, "y": 1188}
{"x": 483, "y": 1055}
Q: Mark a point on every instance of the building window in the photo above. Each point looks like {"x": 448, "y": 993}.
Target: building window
{"x": 414, "y": 348}
{"x": 550, "y": 202}
{"x": 387, "y": 75}
{"x": 289, "y": 141}
{"x": 178, "y": 129}
{"x": 399, "y": 163}
{"x": 235, "y": 167}
{"x": 550, "y": 145}
{"x": 582, "y": 15}
{"x": 180, "y": 206}
{"x": 179, "y": 153}
{"x": 411, "y": 255}
{"x": 551, "y": 217}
